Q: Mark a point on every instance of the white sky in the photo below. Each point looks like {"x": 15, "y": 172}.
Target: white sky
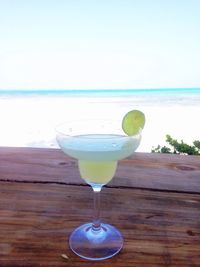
{"x": 99, "y": 44}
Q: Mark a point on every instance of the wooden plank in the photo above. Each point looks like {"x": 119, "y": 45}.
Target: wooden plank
{"x": 160, "y": 228}
{"x": 142, "y": 170}
{"x": 160, "y": 171}
{"x": 39, "y": 165}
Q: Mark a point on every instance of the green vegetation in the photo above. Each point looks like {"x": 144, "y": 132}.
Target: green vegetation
{"x": 176, "y": 147}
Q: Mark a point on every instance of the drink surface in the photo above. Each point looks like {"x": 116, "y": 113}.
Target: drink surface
{"x": 98, "y": 154}
{"x": 100, "y": 147}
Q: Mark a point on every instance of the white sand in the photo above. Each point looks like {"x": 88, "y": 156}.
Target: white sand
{"x": 31, "y": 121}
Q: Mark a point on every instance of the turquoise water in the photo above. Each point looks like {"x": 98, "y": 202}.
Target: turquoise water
{"x": 148, "y": 97}
{"x": 99, "y": 92}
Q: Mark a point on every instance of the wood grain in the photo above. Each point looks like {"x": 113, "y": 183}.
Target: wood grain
{"x": 142, "y": 170}
{"x": 154, "y": 200}
{"x": 159, "y": 228}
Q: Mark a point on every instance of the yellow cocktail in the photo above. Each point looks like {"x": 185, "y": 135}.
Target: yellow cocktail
{"x": 98, "y": 154}
{"x": 98, "y": 146}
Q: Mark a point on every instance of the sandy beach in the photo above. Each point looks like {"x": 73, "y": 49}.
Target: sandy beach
{"x": 30, "y": 121}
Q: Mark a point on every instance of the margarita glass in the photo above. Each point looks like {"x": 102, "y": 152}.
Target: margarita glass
{"x": 97, "y": 145}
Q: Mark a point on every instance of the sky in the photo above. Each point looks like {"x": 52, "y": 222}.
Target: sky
{"x": 99, "y": 44}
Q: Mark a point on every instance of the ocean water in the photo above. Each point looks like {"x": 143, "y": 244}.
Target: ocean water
{"x": 28, "y": 118}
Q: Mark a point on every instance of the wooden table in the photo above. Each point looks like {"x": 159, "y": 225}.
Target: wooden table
{"x": 154, "y": 200}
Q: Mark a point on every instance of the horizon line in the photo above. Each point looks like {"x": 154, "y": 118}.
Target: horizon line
{"x": 98, "y": 90}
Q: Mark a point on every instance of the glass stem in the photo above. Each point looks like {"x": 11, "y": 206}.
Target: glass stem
{"x": 96, "y": 225}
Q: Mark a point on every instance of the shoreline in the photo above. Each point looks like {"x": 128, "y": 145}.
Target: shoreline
{"x": 30, "y": 120}
{"x": 31, "y": 123}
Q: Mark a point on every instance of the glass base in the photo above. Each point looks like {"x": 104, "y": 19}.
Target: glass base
{"x": 99, "y": 244}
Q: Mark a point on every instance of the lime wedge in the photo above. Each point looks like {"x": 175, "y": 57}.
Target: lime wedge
{"x": 133, "y": 122}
